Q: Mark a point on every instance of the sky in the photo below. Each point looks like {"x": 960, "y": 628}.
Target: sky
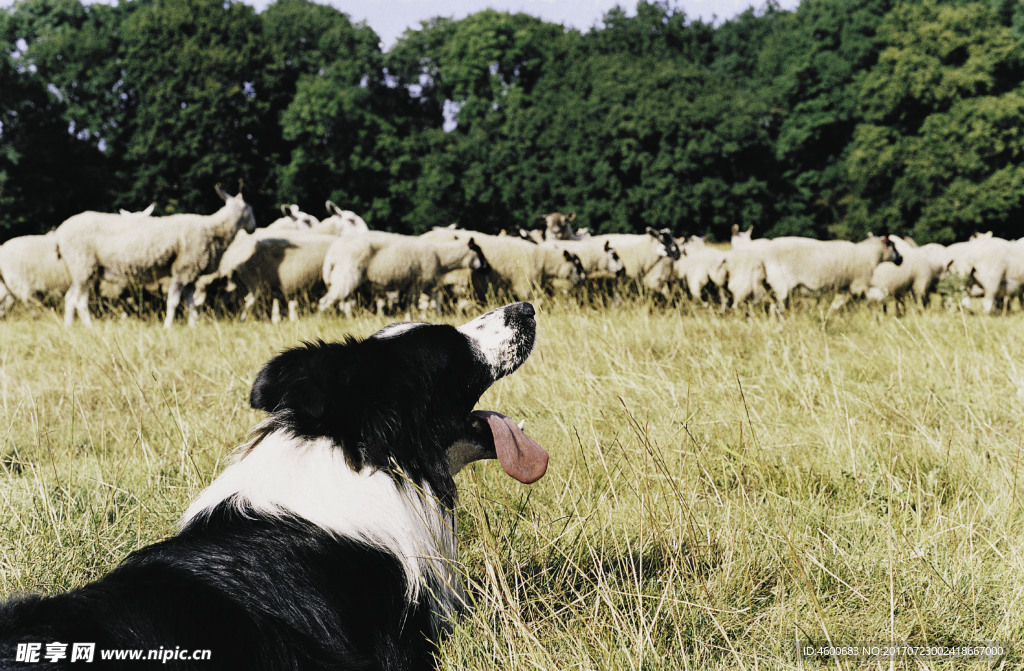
{"x": 390, "y": 18}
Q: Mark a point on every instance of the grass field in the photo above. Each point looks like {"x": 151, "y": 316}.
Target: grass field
{"x": 718, "y": 489}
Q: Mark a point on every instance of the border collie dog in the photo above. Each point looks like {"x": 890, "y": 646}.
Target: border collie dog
{"x": 329, "y": 542}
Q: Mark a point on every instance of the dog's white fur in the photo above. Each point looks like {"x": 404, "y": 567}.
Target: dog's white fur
{"x": 283, "y": 474}
{"x": 493, "y": 338}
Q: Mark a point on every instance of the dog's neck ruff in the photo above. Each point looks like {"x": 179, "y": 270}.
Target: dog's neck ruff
{"x": 281, "y": 474}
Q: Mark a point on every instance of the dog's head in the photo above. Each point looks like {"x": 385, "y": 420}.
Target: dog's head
{"x": 403, "y": 398}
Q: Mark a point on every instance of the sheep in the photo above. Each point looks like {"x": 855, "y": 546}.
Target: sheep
{"x": 917, "y": 275}
{"x": 701, "y": 268}
{"x": 29, "y": 268}
{"x": 519, "y": 267}
{"x": 386, "y": 262}
{"x": 745, "y": 239}
{"x": 647, "y": 258}
{"x": 141, "y": 213}
{"x": 995, "y": 265}
{"x": 558, "y": 226}
{"x": 181, "y": 246}
{"x": 341, "y": 222}
{"x": 282, "y": 263}
{"x": 294, "y": 219}
{"x": 745, "y": 277}
{"x": 534, "y": 235}
{"x": 815, "y": 265}
{"x": 598, "y": 259}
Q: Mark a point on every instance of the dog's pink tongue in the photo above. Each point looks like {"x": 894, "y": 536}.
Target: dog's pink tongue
{"x": 521, "y": 456}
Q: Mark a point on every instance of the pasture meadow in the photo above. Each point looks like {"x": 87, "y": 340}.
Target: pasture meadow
{"x": 719, "y": 487}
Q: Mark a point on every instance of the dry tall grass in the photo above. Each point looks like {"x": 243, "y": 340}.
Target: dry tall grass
{"x": 719, "y": 487}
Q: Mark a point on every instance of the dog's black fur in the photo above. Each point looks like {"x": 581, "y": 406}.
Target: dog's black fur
{"x": 264, "y": 591}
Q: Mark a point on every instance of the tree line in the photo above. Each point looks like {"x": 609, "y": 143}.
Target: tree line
{"x": 838, "y": 118}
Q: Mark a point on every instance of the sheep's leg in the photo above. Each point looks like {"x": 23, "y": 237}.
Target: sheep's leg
{"x": 188, "y": 293}
{"x": 199, "y": 292}
{"x": 336, "y": 293}
{"x": 293, "y": 310}
{"x": 275, "y": 312}
{"x": 70, "y": 301}
{"x": 6, "y": 301}
{"x": 838, "y": 302}
{"x": 247, "y": 303}
{"x": 82, "y": 306}
{"x": 77, "y": 300}
{"x": 173, "y": 299}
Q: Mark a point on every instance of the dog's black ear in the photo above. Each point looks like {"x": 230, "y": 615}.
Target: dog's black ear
{"x": 298, "y": 379}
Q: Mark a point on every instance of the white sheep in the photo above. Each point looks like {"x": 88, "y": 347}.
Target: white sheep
{"x": 647, "y": 258}
{"x": 816, "y": 265}
{"x": 283, "y": 264}
{"x": 29, "y": 269}
{"x": 917, "y": 275}
{"x": 340, "y": 222}
{"x": 745, "y": 277}
{"x": 701, "y": 268}
{"x": 179, "y": 246}
{"x": 598, "y": 258}
{"x": 535, "y": 235}
{"x": 993, "y": 264}
{"x": 293, "y": 219}
{"x": 386, "y": 262}
{"x": 519, "y": 267}
{"x": 744, "y": 239}
{"x": 141, "y": 213}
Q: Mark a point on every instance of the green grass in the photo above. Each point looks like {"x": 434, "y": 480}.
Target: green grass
{"x": 718, "y": 486}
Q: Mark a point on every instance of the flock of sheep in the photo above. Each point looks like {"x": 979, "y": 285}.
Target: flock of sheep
{"x": 188, "y": 256}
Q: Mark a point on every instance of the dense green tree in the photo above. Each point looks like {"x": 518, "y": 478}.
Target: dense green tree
{"x": 938, "y": 152}
{"x": 482, "y": 71}
{"x": 196, "y": 69}
{"x": 46, "y": 173}
{"x": 811, "y": 70}
{"x": 321, "y": 65}
{"x": 841, "y": 117}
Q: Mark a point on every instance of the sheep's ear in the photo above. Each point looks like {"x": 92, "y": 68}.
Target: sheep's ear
{"x": 220, "y": 192}
{"x": 572, "y": 216}
{"x": 735, "y": 229}
{"x": 607, "y": 246}
{"x": 567, "y": 255}
{"x": 750, "y": 231}
{"x": 149, "y": 210}
{"x": 652, "y": 232}
{"x": 332, "y": 208}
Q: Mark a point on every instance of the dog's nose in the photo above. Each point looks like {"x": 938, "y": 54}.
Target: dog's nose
{"x": 525, "y": 309}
